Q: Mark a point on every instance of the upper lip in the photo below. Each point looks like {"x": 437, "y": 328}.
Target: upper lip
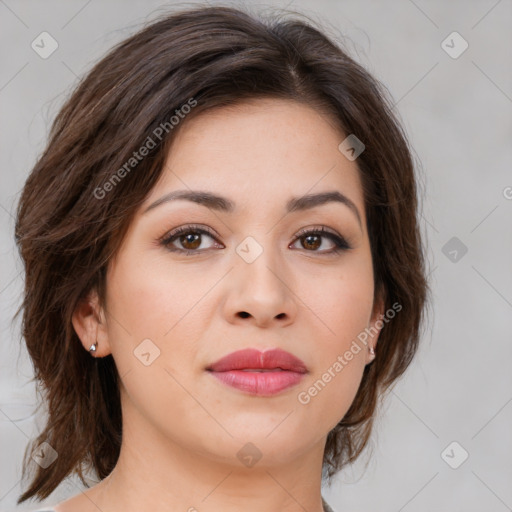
{"x": 255, "y": 359}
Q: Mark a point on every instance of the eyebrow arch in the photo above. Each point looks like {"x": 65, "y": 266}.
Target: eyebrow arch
{"x": 223, "y": 204}
{"x": 312, "y": 200}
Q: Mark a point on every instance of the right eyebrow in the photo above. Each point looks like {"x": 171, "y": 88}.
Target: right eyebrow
{"x": 207, "y": 199}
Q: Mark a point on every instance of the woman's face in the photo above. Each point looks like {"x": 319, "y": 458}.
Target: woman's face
{"x": 177, "y": 304}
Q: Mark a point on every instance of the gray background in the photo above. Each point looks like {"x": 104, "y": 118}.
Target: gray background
{"x": 457, "y": 112}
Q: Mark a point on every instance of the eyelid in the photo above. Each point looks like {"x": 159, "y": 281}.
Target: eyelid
{"x": 319, "y": 228}
{"x": 198, "y": 228}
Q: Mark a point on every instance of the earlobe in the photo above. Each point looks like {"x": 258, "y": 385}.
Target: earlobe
{"x": 89, "y": 323}
{"x": 375, "y": 326}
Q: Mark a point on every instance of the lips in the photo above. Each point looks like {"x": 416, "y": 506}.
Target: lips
{"x": 259, "y": 373}
{"x": 252, "y": 359}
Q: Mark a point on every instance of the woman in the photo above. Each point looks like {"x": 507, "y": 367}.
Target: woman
{"x": 221, "y": 229}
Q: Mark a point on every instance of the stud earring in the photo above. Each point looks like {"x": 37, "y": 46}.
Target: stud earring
{"x": 372, "y": 351}
{"x": 93, "y": 347}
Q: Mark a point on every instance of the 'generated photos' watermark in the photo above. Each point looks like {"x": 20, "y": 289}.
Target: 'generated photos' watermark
{"x": 150, "y": 143}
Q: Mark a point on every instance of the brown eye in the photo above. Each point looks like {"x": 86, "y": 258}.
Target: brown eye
{"x": 188, "y": 240}
{"x": 311, "y": 240}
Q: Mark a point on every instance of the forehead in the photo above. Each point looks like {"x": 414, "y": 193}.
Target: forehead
{"x": 259, "y": 152}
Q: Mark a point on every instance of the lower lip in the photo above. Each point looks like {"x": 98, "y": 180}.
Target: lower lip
{"x": 259, "y": 383}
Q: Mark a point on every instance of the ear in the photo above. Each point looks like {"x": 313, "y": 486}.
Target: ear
{"x": 89, "y": 322}
{"x": 375, "y": 325}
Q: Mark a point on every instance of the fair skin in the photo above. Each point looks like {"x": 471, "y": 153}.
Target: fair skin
{"x": 182, "y": 429}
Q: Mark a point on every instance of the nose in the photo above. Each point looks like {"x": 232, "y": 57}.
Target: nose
{"x": 260, "y": 293}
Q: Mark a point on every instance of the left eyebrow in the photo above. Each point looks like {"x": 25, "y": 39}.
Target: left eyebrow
{"x": 223, "y": 204}
{"x": 312, "y": 200}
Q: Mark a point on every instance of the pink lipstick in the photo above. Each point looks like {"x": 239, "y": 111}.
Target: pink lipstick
{"x": 259, "y": 373}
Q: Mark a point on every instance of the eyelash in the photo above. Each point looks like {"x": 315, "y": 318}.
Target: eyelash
{"x": 341, "y": 243}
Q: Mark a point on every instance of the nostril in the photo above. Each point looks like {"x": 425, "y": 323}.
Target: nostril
{"x": 244, "y": 314}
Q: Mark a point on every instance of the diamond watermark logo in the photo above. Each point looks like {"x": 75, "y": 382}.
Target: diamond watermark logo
{"x": 351, "y": 147}
{"x": 44, "y": 45}
{"x": 146, "y": 352}
{"x": 249, "y": 455}
{"x": 44, "y": 455}
{"x": 454, "y": 45}
{"x": 454, "y": 455}
{"x": 249, "y": 249}
{"x": 454, "y": 249}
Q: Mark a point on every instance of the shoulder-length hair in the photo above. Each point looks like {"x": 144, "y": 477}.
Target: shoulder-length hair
{"x": 78, "y": 202}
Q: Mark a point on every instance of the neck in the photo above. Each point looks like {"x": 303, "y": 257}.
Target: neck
{"x": 156, "y": 473}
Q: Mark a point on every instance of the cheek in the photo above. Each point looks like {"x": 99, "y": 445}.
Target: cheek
{"x": 150, "y": 315}
{"x": 155, "y": 316}
{"x": 153, "y": 299}
{"x": 339, "y": 364}
{"x": 341, "y": 300}
{"x": 342, "y": 304}
{"x": 329, "y": 395}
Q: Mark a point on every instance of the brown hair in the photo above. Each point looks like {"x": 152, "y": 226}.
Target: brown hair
{"x": 67, "y": 234}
